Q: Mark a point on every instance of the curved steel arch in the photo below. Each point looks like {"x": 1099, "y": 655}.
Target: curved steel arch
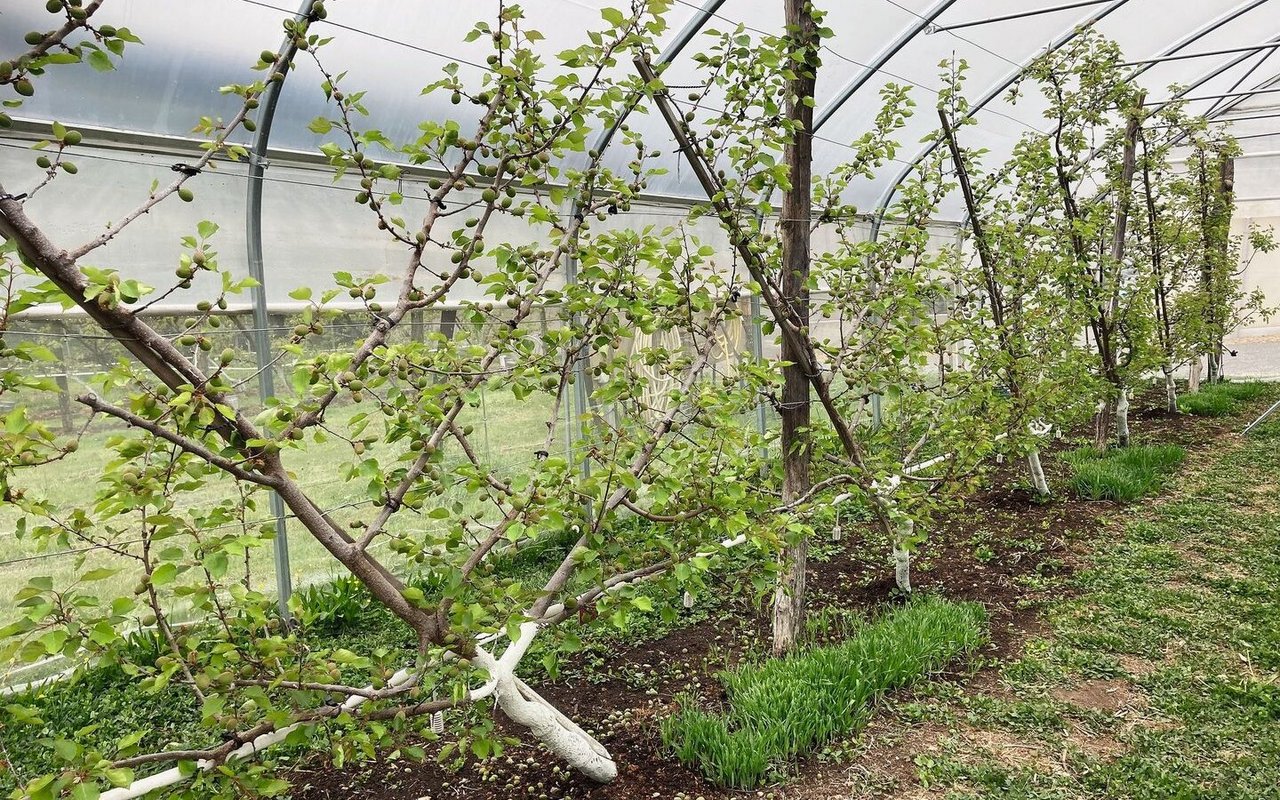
{"x": 1227, "y": 104}
{"x": 1062, "y": 41}
{"x": 253, "y": 242}
{"x": 885, "y": 56}
{"x": 1208, "y": 76}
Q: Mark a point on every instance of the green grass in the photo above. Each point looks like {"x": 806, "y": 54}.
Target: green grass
{"x": 1222, "y": 399}
{"x": 785, "y": 708}
{"x": 1178, "y": 617}
{"x": 507, "y": 433}
{"x": 1125, "y": 474}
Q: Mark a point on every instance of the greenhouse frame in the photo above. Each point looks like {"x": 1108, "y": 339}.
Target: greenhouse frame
{"x": 707, "y": 414}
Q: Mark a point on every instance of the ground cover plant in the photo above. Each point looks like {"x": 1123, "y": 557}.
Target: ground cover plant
{"x": 1220, "y": 399}
{"x": 1151, "y": 678}
{"x": 787, "y": 707}
{"x": 1123, "y": 475}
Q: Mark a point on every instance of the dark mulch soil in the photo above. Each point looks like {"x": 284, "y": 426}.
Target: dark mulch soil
{"x": 992, "y": 550}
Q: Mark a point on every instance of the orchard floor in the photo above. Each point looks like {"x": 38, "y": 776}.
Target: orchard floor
{"x": 1135, "y": 653}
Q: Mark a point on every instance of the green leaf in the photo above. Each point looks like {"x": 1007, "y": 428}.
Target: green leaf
{"x": 99, "y": 60}
{"x": 164, "y": 574}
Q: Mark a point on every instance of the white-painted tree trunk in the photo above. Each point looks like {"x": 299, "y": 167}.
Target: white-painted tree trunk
{"x": 902, "y": 556}
{"x": 788, "y": 599}
{"x": 1170, "y": 391}
{"x": 1122, "y": 418}
{"x": 1193, "y": 378}
{"x": 554, "y": 730}
{"x": 1037, "y": 473}
{"x": 526, "y": 708}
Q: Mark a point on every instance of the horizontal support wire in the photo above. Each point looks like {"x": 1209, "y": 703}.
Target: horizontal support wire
{"x": 1035, "y": 12}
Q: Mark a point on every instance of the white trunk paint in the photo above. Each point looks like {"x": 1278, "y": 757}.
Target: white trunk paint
{"x": 1122, "y": 418}
{"x": 1170, "y": 392}
{"x": 1037, "y": 473}
{"x": 902, "y": 556}
{"x": 1193, "y": 379}
{"x": 554, "y": 730}
{"x": 527, "y": 708}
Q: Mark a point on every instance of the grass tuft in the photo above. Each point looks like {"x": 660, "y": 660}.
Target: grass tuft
{"x": 783, "y": 708}
{"x": 1123, "y": 475}
{"x": 1222, "y": 399}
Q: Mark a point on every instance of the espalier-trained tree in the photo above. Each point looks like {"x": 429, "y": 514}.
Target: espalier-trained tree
{"x": 1021, "y": 325}
{"x": 1217, "y": 305}
{"x": 881, "y": 293}
{"x": 1086, "y": 186}
{"x": 681, "y": 462}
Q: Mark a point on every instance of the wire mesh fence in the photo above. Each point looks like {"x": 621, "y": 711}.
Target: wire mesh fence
{"x": 507, "y": 434}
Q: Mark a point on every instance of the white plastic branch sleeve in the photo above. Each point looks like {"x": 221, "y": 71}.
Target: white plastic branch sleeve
{"x": 1040, "y": 429}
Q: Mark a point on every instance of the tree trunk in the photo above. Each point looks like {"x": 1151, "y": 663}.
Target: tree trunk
{"x": 1170, "y": 391}
{"x": 553, "y": 730}
{"x": 1193, "y": 376}
{"x": 1122, "y": 419}
{"x": 902, "y": 554}
{"x": 1102, "y": 424}
{"x": 788, "y": 603}
{"x": 1037, "y": 473}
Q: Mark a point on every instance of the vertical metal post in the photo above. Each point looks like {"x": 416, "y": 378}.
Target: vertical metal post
{"x": 261, "y": 323}
{"x": 581, "y": 371}
{"x": 64, "y": 381}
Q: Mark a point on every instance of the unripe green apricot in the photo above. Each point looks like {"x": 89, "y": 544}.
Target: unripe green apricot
{"x": 186, "y": 194}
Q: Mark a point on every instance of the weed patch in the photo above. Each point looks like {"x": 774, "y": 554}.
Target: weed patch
{"x": 1222, "y": 399}
{"x": 784, "y": 708}
{"x": 1122, "y": 475}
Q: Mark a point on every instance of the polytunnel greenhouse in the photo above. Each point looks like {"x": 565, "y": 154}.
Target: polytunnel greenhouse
{"x": 639, "y": 399}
